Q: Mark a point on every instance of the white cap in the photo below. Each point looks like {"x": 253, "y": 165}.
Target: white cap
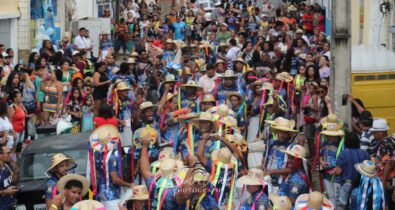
{"x": 379, "y": 124}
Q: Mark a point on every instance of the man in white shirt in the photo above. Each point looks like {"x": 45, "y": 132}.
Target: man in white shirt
{"x": 133, "y": 8}
{"x": 207, "y": 81}
{"x": 233, "y": 50}
{"x": 79, "y": 41}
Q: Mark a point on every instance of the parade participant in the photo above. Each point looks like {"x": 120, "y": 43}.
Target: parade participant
{"x": 167, "y": 190}
{"x": 330, "y": 144}
{"x": 139, "y": 199}
{"x": 314, "y": 200}
{"x": 169, "y": 53}
{"x": 256, "y": 187}
{"x": 228, "y": 85}
{"x": 239, "y": 66}
{"x": 273, "y": 161}
{"x": 105, "y": 155}
{"x": 9, "y": 176}
{"x": 369, "y": 191}
{"x": 146, "y": 116}
{"x": 60, "y": 166}
{"x": 189, "y": 95}
{"x": 208, "y": 102}
{"x": 220, "y": 66}
{"x": 202, "y": 198}
{"x": 122, "y": 105}
{"x": 222, "y": 166}
{"x": 71, "y": 188}
{"x": 208, "y": 81}
{"x": 286, "y": 92}
{"x": 171, "y": 82}
{"x": 237, "y": 104}
{"x": 167, "y": 124}
{"x": 135, "y": 152}
{"x": 296, "y": 182}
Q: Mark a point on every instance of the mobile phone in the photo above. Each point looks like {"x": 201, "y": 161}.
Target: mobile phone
{"x": 344, "y": 99}
{"x": 20, "y": 186}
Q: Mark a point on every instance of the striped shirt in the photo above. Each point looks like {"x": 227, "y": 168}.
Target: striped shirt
{"x": 368, "y": 143}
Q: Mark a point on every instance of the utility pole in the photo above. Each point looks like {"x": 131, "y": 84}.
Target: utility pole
{"x": 340, "y": 78}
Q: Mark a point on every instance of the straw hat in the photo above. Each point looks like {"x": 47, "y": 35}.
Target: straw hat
{"x": 134, "y": 54}
{"x": 229, "y": 74}
{"x": 237, "y": 94}
{"x": 205, "y": 44}
{"x": 283, "y": 124}
{"x": 241, "y": 60}
{"x": 224, "y": 155}
{"x": 332, "y": 129}
{"x": 145, "y": 105}
{"x": 208, "y": 98}
{"x": 236, "y": 138}
{"x": 314, "y": 200}
{"x": 141, "y": 133}
{"x": 169, "y": 96}
{"x": 331, "y": 118}
{"x": 255, "y": 84}
{"x": 201, "y": 175}
{"x": 200, "y": 62}
{"x": 223, "y": 44}
{"x": 170, "y": 41}
{"x": 58, "y": 158}
{"x": 105, "y": 135}
{"x": 218, "y": 62}
{"x": 254, "y": 177}
{"x": 280, "y": 202}
{"x": 191, "y": 84}
{"x": 189, "y": 116}
{"x": 296, "y": 151}
{"x": 299, "y": 31}
{"x": 140, "y": 192}
{"x": 228, "y": 121}
{"x": 266, "y": 86}
{"x": 366, "y": 168}
{"x": 204, "y": 116}
{"x": 379, "y": 124}
{"x": 170, "y": 78}
{"x": 69, "y": 177}
{"x": 284, "y": 76}
{"x": 122, "y": 86}
{"x": 88, "y": 205}
{"x": 66, "y": 36}
{"x": 131, "y": 60}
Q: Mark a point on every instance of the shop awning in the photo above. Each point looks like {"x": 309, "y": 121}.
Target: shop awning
{"x": 9, "y": 9}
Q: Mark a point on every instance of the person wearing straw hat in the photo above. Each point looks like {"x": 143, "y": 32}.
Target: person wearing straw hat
{"x": 124, "y": 74}
{"x": 296, "y": 182}
{"x": 71, "y": 188}
{"x": 274, "y": 161}
{"x": 189, "y": 95}
{"x": 237, "y": 104}
{"x": 139, "y": 199}
{"x": 208, "y": 102}
{"x": 168, "y": 123}
{"x": 313, "y": 200}
{"x": 146, "y": 116}
{"x": 88, "y": 205}
{"x": 368, "y": 190}
{"x": 60, "y": 166}
{"x": 255, "y": 186}
{"x": 167, "y": 190}
{"x": 223, "y": 168}
{"x": 66, "y": 45}
{"x": 330, "y": 148}
{"x": 228, "y": 85}
{"x": 239, "y": 66}
{"x": 280, "y": 202}
{"x": 122, "y": 105}
{"x": 208, "y": 81}
{"x": 201, "y": 199}
{"x": 220, "y": 66}
{"x": 284, "y": 87}
{"x": 169, "y": 80}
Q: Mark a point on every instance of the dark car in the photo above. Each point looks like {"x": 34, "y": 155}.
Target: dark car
{"x": 36, "y": 159}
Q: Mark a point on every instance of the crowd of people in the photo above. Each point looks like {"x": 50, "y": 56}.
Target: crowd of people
{"x": 194, "y": 111}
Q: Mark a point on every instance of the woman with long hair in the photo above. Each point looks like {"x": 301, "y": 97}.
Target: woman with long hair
{"x": 13, "y": 83}
{"x": 53, "y": 94}
{"x": 33, "y": 57}
{"x": 17, "y": 114}
{"x": 6, "y": 129}
{"x": 101, "y": 83}
{"x": 47, "y": 50}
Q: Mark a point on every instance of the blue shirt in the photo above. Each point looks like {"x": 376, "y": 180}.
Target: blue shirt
{"x": 169, "y": 202}
{"x": 197, "y": 137}
{"x": 51, "y": 184}
{"x": 6, "y": 201}
{"x": 275, "y": 159}
{"x": 261, "y": 203}
{"x": 218, "y": 186}
{"x": 207, "y": 203}
{"x": 178, "y": 27}
{"x": 328, "y": 154}
{"x": 294, "y": 185}
{"x": 220, "y": 93}
{"x": 347, "y": 159}
{"x": 113, "y": 191}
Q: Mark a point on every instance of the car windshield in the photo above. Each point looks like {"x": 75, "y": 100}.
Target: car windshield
{"x": 35, "y": 165}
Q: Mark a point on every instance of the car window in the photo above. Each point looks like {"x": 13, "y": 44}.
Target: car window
{"x": 34, "y": 165}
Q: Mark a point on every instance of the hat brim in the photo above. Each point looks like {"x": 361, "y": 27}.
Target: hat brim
{"x": 147, "y": 107}
{"x": 169, "y": 81}
{"x": 229, "y": 95}
{"x": 103, "y": 136}
{"x": 188, "y": 116}
{"x": 303, "y": 201}
{"x": 70, "y": 160}
{"x": 374, "y": 130}
{"x": 214, "y": 156}
{"x": 248, "y": 180}
{"x": 332, "y": 133}
{"x": 219, "y": 62}
{"x": 292, "y": 154}
{"x": 283, "y": 128}
{"x": 64, "y": 180}
{"x": 362, "y": 172}
{"x": 232, "y": 77}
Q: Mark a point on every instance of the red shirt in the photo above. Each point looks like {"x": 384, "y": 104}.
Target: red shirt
{"x": 308, "y": 21}
{"x": 18, "y": 120}
{"x": 99, "y": 121}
